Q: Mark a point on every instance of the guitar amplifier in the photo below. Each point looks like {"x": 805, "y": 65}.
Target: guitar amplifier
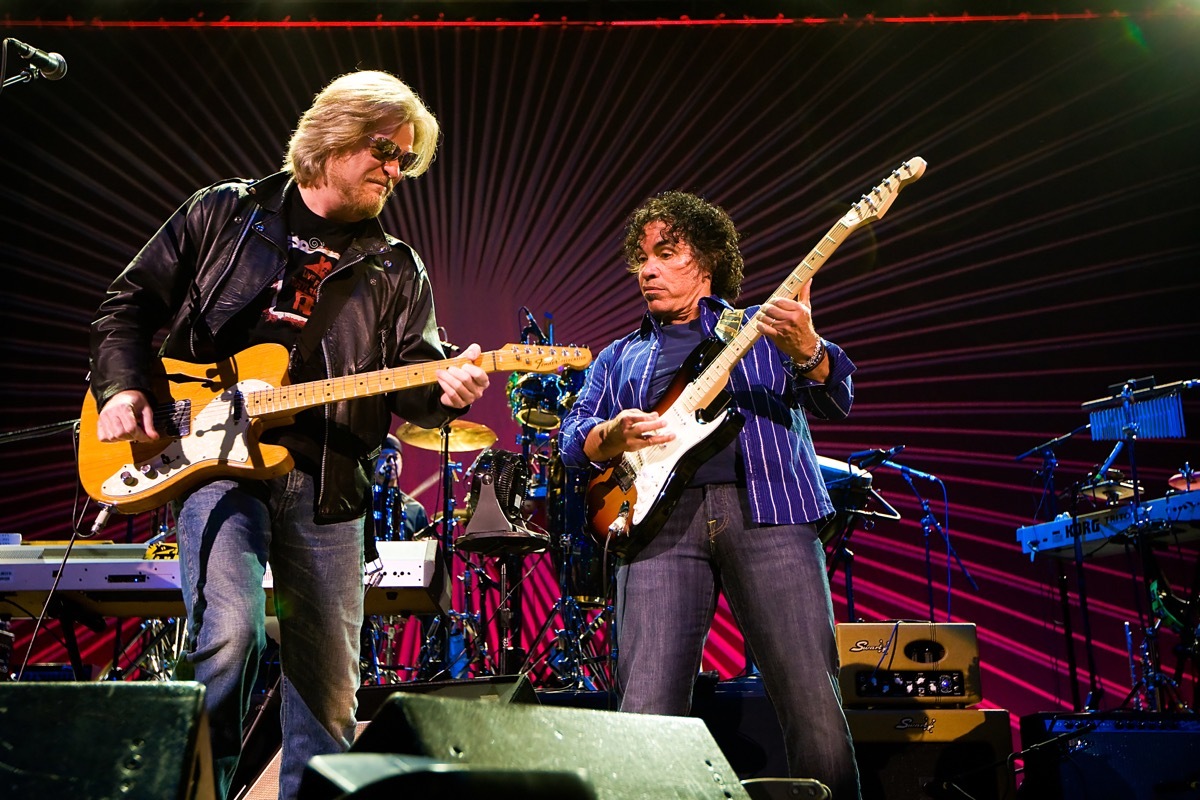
{"x": 923, "y": 753}
{"x": 908, "y": 664}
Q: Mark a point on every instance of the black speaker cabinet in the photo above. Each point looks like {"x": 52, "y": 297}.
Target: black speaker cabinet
{"x": 258, "y": 771}
{"x": 623, "y": 755}
{"x": 135, "y": 741}
{"x": 922, "y": 753}
{"x": 1131, "y": 755}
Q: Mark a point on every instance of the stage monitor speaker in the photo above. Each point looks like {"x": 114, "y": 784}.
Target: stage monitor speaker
{"x": 136, "y": 741}
{"x": 908, "y": 664}
{"x": 495, "y": 689}
{"x": 1131, "y": 755}
{"x": 385, "y": 776}
{"x": 264, "y": 781}
{"x": 624, "y": 755}
{"x": 919, "y": 754}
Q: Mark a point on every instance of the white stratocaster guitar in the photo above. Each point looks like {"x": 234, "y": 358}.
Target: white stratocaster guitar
{"x": 631, "y": 498}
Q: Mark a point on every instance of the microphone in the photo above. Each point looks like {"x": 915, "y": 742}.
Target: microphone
{"x": 51, "y": 65}
{"x": 532, "y": 327}
{"x": 867, "y": 459}
{"x": 916, "y": 473}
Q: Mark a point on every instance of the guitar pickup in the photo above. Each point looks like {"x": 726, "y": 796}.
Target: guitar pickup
{"x": 712, "y": 410}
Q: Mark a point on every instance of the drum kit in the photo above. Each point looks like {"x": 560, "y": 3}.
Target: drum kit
{"x": 520, "y": 504}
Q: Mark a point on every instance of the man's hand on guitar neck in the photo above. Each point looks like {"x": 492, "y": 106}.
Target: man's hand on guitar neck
{"x": 632, "y": 429}
{"x": 126, "y": 417}
{"x": 789, "y": 324}
{"x": 463, "y": 384}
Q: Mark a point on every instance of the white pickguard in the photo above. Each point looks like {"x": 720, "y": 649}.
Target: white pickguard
{"x": 215, "y": 436}
{"x": 658, "y": 462}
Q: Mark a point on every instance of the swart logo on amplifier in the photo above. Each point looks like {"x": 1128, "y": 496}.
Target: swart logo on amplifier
{"x": 908, "y": 664}
{"x": 909, "y": 723}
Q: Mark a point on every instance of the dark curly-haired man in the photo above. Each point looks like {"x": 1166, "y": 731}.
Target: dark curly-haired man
{"x": 746, "y": 522}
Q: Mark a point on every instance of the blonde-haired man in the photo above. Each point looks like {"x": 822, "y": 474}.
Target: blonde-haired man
{"x": 298, "y": 259}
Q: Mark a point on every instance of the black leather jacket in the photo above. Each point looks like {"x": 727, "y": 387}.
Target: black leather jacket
{"x": 217, "y": 253}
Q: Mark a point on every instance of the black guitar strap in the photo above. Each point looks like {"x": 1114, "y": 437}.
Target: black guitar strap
{"x": 333, "y": 296}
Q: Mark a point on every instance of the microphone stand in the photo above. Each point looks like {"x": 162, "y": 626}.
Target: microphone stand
{"x": 1050, "y": 512}
{"x": 929, "y": 523}
{"x": 26, "y": 75}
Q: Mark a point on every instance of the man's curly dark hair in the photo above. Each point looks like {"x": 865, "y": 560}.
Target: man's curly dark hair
{"x": 704, "y": 227}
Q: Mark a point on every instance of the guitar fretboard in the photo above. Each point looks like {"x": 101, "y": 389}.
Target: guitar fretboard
{"x": 701, "y": 391}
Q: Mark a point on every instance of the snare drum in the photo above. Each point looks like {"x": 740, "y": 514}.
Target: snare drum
{"x": 536, "y": 400}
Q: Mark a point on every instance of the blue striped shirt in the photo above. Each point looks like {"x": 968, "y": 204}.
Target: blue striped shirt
{"x": 783, "y": 477}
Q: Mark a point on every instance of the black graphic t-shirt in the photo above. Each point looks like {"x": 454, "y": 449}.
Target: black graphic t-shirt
{"x": 315, "y": 245}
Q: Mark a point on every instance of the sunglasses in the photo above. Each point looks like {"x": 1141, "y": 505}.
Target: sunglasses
{"x": 386, "y": 150}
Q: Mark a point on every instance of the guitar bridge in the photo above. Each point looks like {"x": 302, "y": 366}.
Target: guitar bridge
{"x": 625, "y": 477}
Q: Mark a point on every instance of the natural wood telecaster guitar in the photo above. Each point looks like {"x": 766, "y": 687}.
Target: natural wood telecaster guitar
{"x": 210, "y": 418}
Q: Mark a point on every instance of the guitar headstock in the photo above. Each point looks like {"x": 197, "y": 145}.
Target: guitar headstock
{"x": 875, "y": 203}
{"x": 542, "y": 357}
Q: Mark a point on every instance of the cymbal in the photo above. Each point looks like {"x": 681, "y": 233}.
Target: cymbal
{"x": 1179, "y": 481}
{"x": 464, "y": 436}
{"x": 1108, "y": 491}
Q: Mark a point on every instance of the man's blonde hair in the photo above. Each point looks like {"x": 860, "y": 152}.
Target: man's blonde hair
{"x": 349, "y": 109}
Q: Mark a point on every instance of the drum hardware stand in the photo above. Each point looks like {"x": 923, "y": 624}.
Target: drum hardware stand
{"x": 162, "y": 646}
{"x": 1152, "y": 686}
{"x": 447, "y": 645}
{"x": 571, "y": 651}
{"x": 491, "y": 532}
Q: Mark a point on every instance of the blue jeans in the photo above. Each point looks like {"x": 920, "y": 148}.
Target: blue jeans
{"x": 774, "y": 580}
{"x": 227, "y": 532}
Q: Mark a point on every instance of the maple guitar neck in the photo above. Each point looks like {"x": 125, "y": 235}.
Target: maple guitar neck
{"x": 288, "y": 399}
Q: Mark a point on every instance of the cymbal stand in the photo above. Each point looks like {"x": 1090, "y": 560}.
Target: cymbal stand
{"x": 456, "y": 647}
